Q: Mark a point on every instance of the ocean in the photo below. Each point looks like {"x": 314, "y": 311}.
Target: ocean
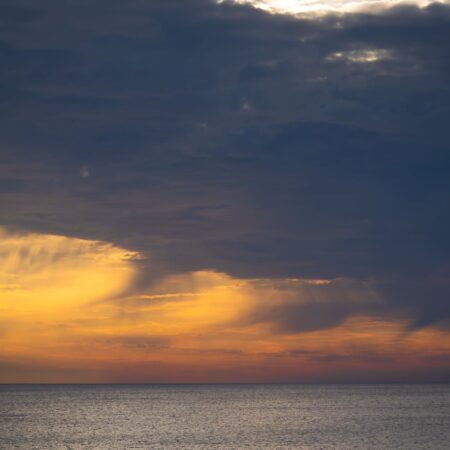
{"x": 225, "y": 417}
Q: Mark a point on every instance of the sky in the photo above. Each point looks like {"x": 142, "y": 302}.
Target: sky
{"x": 194, "y": 191}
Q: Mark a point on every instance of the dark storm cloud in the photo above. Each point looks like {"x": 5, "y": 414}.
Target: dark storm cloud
{"x": 295, "y": 318}
{"x": 222, "y": 137}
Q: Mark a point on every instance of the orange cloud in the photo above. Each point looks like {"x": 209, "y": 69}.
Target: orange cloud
{"x": 67, "y": 315}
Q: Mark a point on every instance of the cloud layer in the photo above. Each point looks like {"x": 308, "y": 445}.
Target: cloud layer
{"x": 70, "y": 314}
{"x": 220, "y": 139}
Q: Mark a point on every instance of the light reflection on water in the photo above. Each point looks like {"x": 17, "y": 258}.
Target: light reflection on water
{"x": 225, "y": 417}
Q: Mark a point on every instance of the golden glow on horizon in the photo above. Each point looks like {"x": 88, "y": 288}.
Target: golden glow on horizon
{"x": 68, "y": 315}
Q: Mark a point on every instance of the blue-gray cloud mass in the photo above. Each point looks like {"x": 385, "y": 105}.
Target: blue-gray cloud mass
{"x": 222, "y": 137}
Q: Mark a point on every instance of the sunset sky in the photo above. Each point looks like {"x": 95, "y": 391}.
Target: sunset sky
{"x": 195, "y": 191}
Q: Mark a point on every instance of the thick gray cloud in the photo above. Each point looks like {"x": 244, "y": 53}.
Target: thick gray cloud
{"x": 222, "y": 137}
{"x": 301, "y": 306}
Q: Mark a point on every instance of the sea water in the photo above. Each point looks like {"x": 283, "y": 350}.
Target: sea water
{"x": 225, "y": 417}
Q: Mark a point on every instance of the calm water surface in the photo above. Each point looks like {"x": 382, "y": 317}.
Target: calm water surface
{"x": 225, "y": 417}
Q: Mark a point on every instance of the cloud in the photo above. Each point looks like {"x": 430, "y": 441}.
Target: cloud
{"x": 297, "y": 306}
{"x": 72, "y": 312}
{"x": 319, "y": 8}
{"x": 215, "y": 300}
{"x": 337, "y": 168}
{"x": 142, "y": 342}
{"x": 47, "y": 278}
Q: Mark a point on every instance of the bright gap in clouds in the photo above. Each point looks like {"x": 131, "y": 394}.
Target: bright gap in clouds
{"x": 328, "y": 6}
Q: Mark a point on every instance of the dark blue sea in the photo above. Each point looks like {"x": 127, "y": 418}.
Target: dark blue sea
{"x": 225, "y": 417}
